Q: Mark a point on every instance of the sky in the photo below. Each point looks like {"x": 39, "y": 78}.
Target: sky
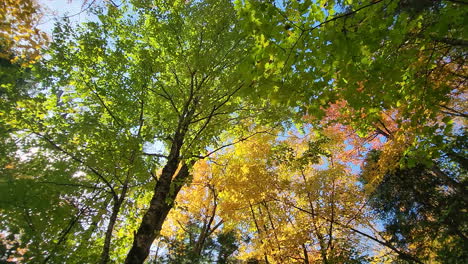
{"x": 74, "y": 9}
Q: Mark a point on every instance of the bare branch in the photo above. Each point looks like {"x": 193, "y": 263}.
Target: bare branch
{"x": 73, "y": 185}
{"x": 453, "y": 111}
{"x": 233, "y": 143}
{"x": 155, "y": 155}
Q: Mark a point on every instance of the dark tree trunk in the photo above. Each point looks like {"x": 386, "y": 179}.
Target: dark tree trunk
{"x": 165, "y": 192}
{"x": 173, "y": 176}
{"x": 306, "y": 254}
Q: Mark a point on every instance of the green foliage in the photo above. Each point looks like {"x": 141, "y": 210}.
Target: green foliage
{"x": 353, "y": 51}
{"x": 284, "y": 154}
{"x": 79, "y": 128}
{"x": 159, "y": 72}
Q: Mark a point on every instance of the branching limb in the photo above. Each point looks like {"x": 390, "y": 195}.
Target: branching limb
{"x": 233, "y": 143}
{"x": 73, "y": 185}
{"x": 80, "y": 161}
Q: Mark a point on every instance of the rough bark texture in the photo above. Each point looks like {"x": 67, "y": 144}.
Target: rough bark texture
{"x": 173, "y": 176}
{"x": 163, "y": 198}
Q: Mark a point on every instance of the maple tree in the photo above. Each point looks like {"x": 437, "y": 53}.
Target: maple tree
{"x": 296, "y": 217}
{"x": 257, "y": 131}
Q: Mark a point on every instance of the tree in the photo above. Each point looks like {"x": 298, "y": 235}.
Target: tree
{"x": 350, "y": 52}
{"x": 20, "y": 44}
{"x": 194, "y": 231}
{"x": 420, "y": 210}
{"x": 289, "y": 200}
{"x": 164, "y": 74}
{"x": 396, "y": 68}
{"x": 123, "y": 107}
{"x": 20, "y": 39}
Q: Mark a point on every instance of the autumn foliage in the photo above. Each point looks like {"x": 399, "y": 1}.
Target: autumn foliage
{"x": 221, "y": 131}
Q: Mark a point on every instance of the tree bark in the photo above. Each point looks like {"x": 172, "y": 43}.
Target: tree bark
{"x": 113, "y": 219}
{"x": 258, "y": 231}
{"x": 110, "y": 228}
{"x": 165, "y": 192}
{"x": 306, "y": 254}
{"x": 118, "y": 201}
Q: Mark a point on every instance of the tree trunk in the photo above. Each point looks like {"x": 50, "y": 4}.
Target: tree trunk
{"x": 206, "y": 230}
{"x": 118, "y": 201}
{"x": 110, "y": 228}
{"x": 173, "y": 176}
{"x": 258, "y": 231}
{"x": 113, "y": 219}
{"x": 306, "y": 254}
{"x": 199, "y": 244}
{"x": 165, "y": 192}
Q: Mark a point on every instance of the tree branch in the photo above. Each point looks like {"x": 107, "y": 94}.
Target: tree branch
{"x": 155, "y": 155}
{"x": 101, "y": 101}
{"x": 344, "y": 15}
{"x": 401, "y": 254}
{"x": 75, "y": 158}
{"x": 233, "y": 143}
{"x": 73, "y": 185}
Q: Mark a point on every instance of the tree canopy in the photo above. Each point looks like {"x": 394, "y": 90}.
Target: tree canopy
{"x": 217, "y": 131}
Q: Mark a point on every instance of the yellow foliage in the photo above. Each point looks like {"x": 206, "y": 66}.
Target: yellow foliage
{"x": 267, "y": 197}
{"x": 272, "y": 200}
{"x": 20, "y": 39}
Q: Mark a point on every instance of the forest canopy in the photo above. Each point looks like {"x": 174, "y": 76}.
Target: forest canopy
{"x": 247, "y": 131}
